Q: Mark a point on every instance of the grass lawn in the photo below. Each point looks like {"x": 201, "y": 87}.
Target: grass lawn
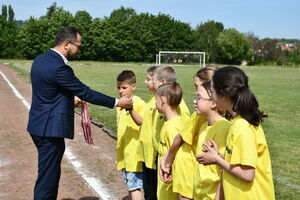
{"x": 277, "y": 89}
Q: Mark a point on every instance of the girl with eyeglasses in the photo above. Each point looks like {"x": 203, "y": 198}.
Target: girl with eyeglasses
{"x": 194, "y": 180}
{"x": 246, "y": 165}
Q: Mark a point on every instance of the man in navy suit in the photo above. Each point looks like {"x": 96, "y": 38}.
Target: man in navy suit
{"x": 51, "y": 116}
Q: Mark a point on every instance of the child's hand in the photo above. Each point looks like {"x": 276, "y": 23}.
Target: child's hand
{"x": 208, "y": 158}
{"x": 210, "y": 143}
{"x": 165, "y": 171}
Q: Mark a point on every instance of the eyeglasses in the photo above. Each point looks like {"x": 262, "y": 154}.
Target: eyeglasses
{"x": 78, "y": 46}
{"x": 199, "y": 98}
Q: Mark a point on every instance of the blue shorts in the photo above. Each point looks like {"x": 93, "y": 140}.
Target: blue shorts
{"x": 133, "y": 180}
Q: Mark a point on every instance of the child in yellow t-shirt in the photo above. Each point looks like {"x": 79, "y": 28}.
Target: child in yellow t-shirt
{"x": 151, "y": 122}
{"x": 162, "y": 75}
{"x": 207, "y": 178}
{"x": 168, "y": 97}
{"x": 192, "y": 126}
{"x": 145, "y": 120}
{"x": 247, "y": 172}
{"x": 206, "y": 113}
{"x": 128, "y": 145}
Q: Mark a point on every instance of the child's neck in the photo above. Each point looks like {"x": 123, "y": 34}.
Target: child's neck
{"x": 229, "y": 108}
{"x": 233, "y": 113}
{"x": 212, "y": 117}
{"x": 170, "y": 113}
{"x": 132, "y": 95}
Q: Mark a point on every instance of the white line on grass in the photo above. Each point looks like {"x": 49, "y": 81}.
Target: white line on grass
{"x": 94, "y": 183}
{"x": 17, "y": 93}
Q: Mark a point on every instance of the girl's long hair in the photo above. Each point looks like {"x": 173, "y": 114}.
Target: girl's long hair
{"x": 232, "y": 82}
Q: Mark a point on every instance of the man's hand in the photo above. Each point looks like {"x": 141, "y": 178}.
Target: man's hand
{"x": 77, "y": 102}
{"x": 125, "y": 102}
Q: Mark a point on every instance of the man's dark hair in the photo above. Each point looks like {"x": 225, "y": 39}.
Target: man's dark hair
{"x": 67, "y": 33}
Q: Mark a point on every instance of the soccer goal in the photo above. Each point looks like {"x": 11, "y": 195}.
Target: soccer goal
{"x": 180, "y": 58}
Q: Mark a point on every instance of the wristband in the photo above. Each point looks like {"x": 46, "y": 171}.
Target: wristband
{"x": 128, "y": 109}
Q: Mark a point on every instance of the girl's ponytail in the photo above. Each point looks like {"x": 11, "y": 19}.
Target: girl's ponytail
{"x": 247, "y": 106}
{"x": 233, "y": 82}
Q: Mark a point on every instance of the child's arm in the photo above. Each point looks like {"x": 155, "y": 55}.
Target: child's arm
{"x": 244, "y": 172}
{"x": 219, "y": 193}
{"x": 138, "y": 120}
{"x": 167, "y": 160}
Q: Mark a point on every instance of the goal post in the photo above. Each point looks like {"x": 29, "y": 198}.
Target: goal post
{"x": 181, "y": 56}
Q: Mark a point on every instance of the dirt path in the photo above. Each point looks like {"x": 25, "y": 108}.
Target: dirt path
{"x": 88, "y": 171}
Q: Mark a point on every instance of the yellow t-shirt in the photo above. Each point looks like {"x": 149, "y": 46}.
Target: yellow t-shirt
{"x": 128, "y": 146}
{"x": 246, "y": 145}
{"x": 184, "y": 164}
{"x": 191, "y": 129}
{"x": 207, "y": 178}
{"x": 159, "y": 120}
{"x": 183, "y": 171}
{"x": 149, "y": 154}
{"x": 168, "y": 132}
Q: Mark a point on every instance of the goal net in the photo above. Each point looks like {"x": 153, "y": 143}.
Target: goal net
{"x": 180, "y": 58}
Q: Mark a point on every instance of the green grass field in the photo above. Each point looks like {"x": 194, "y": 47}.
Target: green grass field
{"x": 277, "y": 89}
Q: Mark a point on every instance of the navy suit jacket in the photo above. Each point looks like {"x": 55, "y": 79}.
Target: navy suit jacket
{"x": 54, "y": 85}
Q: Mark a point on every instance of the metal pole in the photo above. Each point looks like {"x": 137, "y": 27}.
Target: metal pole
{"x": 159, "y": 58}
{"x": 204, "y": 60}
{"x": 200, "y": 60}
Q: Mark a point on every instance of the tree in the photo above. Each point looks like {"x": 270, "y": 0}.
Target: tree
{"x": 8, "y": 31}
{"x": 143, "y": 33}
{"x": 271, "y": 51}
{"x": 170, "y": 35}
{"x": 38, "y": 35}
{"x": 256, "y": 48}
{"x": 82, "y": 21}
{"x": 205, "y": 38}
{"x": 31, "y": 38}
{"x": 234, "y": 47}
{"x": 119, "y": 32}
{"x": 51, "y": 9}
{"x": 11, "y": 14}
{"x": 121, "y": 15}
{"x": 103, "y": 40}
{"x": 4, "y": 12}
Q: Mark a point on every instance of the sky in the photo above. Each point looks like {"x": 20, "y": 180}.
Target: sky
{"x": 265, "y": 18}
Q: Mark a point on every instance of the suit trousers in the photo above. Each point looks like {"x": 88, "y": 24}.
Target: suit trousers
{"x": 50, "y": 153}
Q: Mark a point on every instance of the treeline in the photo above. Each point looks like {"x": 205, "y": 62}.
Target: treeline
{"x": 128, "y": 36}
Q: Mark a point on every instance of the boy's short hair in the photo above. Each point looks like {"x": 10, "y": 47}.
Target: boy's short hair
{"x": 166, "y": 73}
{"x": 126, "y": 76}
{"x": 151, "y": 70}
{"x": 173, "y": 93}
